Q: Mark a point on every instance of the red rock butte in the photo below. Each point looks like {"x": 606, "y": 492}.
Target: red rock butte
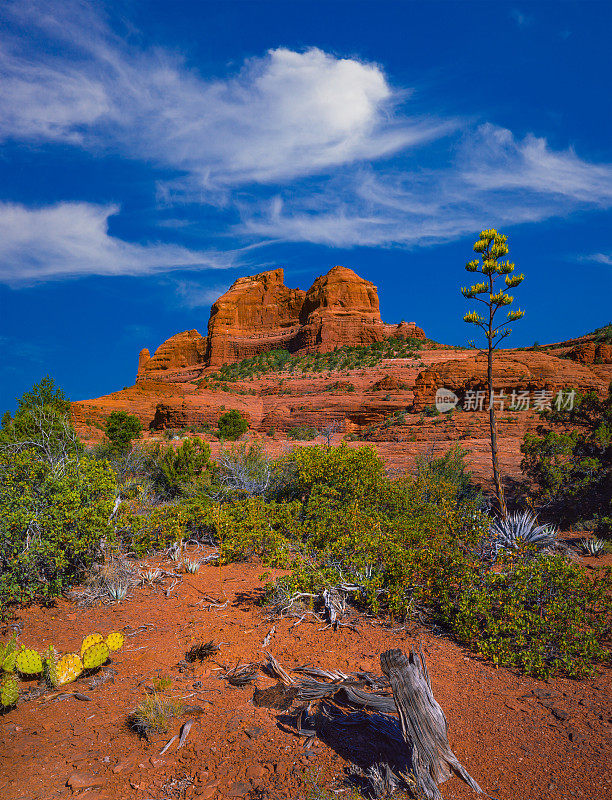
{"x": 259, "y": 313}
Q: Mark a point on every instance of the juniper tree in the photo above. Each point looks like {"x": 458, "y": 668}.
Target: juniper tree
{"x": 492, "y": 247}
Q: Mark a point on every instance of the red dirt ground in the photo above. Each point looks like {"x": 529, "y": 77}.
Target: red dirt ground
{"x": 520, "y": 738}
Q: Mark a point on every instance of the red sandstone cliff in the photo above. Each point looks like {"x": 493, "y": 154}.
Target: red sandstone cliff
{"x": 260, "y": 313}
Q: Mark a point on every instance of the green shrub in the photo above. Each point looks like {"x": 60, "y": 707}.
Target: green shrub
{"x": 252, "y": 527}
{"x": 542, "y": 615}
{"x": 51, "y": 523}
{"x": 569, "y": 460}
{"x": 175, "y": 472}
{"x": 121, "y": 429}
{"x": 162, "y": 526}
{"x": 304, "y": 433}
{"x": 232, "y": 425}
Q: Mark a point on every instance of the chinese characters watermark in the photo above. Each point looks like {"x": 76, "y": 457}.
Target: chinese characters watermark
{"x": 516, "y": 400}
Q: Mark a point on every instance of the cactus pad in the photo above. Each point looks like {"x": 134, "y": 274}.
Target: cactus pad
{"x": 8, "y": 664}
{"x": 115, "y": 640}
{"x": 68, "y": 668}
{"x": 93, "y": 638}
{"x": 28, "y": 662}
{"x": 9, "y": 691}
{"x": 95, "y": 655}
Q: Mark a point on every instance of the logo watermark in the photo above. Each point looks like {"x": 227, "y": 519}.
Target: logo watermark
{"x": 478, "y": 400}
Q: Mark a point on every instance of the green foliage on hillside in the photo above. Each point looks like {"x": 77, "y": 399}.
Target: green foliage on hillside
{"x": 340, "y": 359}
{"x": 232, "y": 425}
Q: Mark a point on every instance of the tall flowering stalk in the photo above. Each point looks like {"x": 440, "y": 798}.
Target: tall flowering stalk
{"x": 492, "y": 247}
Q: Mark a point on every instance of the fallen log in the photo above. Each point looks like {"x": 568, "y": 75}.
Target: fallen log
{"x": 424, "y": 726}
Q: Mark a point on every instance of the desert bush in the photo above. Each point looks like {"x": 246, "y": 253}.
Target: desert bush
{"x": 304, "y": 433}
{"x": 42, "y": 424}
{"x": 569, "y": 461}
{"x": 121, "y": 429}
{"x": 543, "y": 615}
{"x": 52, "y": 524}
{"x": 246, "y": 471}
{"x": 413, "y": 546}
{"x": 158, "y": 527}
{"x": 180, "y": 471}
{"x": 252, "y": 527}
{"x": 232, "y": 425}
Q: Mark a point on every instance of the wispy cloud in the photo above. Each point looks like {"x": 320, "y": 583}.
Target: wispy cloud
{"x": 72, "y": 239}
{"x": 495, "y": 179}
{"x": 600, "y": 258}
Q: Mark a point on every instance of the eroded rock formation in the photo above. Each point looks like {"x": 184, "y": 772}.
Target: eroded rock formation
{"x": 259, "y": 313}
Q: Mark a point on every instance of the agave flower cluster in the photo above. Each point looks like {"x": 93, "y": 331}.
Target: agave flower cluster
{"x": 518, "y": 529}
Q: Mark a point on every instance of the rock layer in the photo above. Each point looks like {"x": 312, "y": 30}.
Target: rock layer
{"x": 512, "y": 371}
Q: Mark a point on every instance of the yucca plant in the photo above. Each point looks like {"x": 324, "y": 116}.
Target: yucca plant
{"x": 520, "y": 528}
{"x": 192, "y": 566}
{"x": 116, "y": 591}
{"x": 592, "y": 547}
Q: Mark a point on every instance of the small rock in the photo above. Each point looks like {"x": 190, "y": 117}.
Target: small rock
{"x": 238, "y": 789}
{"x": 253, "y": 732}
{"x": 255, "y": 771}
{"x": 84, "y": 780}
{"x": 121, "y": 766}
{"x": 560, "y": 713}
{"x": 208, "y": 790}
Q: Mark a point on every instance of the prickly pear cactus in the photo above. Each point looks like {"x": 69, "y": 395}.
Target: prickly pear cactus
{"x": 9, "y": 654}
{"x": 68, "y": 668}
{"x": 95, "y": 655}
{"x": 93, "y": 638}
{"x": 50, "y": 667}
{"x": 28, "y": 662}
{"x": 9, "y": 691}
{"x": 115, "y": 640}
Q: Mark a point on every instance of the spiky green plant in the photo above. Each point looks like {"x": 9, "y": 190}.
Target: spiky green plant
{"x": 117, "y": 591}
{"x": 9, "y": 691}
{"x": 95, "y": 655}
{"x": 8, "y": 654}
{"x": 592, "y": 547}
{"x": 192, "y": 566}
{"x": 28, "y": 662}
{"x": 91, "y": 638}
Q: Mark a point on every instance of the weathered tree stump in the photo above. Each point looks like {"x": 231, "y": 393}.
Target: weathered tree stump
{"x": 423, "y": 723}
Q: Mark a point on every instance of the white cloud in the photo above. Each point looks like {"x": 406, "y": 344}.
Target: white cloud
{"x": 600, "y": 258}
{"x": 283, "y": 115}
{"x": 495, "y": 160}
{"x": 72, "y": 239}
{"x": 495, "y": 180}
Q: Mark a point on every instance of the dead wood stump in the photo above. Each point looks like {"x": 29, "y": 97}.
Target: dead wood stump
{"x": 423, "y": 723}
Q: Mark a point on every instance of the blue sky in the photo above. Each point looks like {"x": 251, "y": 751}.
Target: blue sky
{"x": 153, "y": 152}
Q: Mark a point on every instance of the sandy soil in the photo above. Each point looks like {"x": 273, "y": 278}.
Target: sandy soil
{"x": 522, "y": 739}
